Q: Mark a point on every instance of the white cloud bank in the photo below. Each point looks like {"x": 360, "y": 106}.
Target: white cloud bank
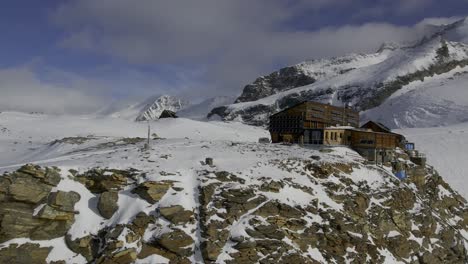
{"x": 22, "y": 90}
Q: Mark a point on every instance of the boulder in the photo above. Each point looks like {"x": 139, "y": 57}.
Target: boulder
{"x": 176, "y": 214}
{"x": 152, "y": 191}
{"x": 107, "y": 204}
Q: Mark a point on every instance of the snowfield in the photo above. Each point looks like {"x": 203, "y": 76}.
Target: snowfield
{"x": 247, "y": 181}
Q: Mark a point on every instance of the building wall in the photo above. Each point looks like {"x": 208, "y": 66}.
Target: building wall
{"x": 365, "y": 139}
{"x": 331, "y": 115}
{"x": 337, "y": 137}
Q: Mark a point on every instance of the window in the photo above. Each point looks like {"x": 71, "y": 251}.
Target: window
{"x": 366, "y": 141}
{"x": 326, "y": 135}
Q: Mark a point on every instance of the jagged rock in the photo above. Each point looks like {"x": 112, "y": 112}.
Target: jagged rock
{"x": 26, "y": 253}
{"x": 176, "y": 241}
{"x": 107, "y": 204}
{"x": 152, "y": 191}
{"x": 176, "y": 214}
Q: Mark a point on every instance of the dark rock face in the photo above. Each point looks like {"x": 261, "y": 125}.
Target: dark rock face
{"x": 168, "y": 114}
{"x": 282, "y": 80}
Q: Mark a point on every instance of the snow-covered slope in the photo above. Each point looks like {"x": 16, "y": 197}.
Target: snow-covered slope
{"x": 25, "y": 137}
{"x": 114, "y": 202}
{"x": 437, "y": 101}
{"x": 367, "y": 81}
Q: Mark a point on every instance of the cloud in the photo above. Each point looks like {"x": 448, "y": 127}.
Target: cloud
{"x": 227, "y": 43}
{"x": 23, "y": 90}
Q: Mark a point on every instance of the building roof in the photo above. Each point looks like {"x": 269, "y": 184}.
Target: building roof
{"x": 380, "y": 125}
{"x": 358, "y": 130}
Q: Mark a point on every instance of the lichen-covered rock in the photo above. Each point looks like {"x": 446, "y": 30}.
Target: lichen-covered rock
{"x": 152, "y": 191}
{"x": 107, "y": 204}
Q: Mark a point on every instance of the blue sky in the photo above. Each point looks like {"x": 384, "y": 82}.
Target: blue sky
{"x": 100, "y": 50}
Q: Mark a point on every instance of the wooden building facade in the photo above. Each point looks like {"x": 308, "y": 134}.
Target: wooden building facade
{"x": 305, "y": 122}
{"x": 360, "y": 138}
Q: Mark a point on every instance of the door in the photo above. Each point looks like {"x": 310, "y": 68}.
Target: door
{"x": 316, "y": 137}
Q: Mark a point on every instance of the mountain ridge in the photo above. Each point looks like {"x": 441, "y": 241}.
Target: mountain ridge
{"x": 362, "y": 81}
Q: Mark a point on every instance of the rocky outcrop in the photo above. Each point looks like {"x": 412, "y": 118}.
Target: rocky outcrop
{"x": 316, "y": 213}
{"x": 282, "y": 80}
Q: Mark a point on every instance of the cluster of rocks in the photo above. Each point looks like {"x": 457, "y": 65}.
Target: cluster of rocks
{"x": 419, "y": 220}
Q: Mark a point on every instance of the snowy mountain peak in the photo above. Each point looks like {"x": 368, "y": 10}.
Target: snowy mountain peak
{"x": 367, "y": 81}
{"x": 157, "y": 105}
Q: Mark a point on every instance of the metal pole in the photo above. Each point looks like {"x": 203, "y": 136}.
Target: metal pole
{"x": 148, "y": 139}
